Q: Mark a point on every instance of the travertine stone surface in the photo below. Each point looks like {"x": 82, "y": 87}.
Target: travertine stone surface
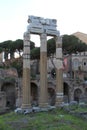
{"x": 59, "y": 86}
{"x": 26, "y": 63}
{"x": 43, "y": 39}
{"x": 59, "y": 64}
{"x": 43, "y": 72}
{"x": 58, "y": 40}
{"x": 59, "y": 73}
{"x": 26, "y": 54}
{"x": 26, "y": 72}
{"x": 58, "y": 52}
{"x": 26, "y": 88}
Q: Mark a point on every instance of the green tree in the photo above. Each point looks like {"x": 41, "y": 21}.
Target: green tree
{"x": 51, "y": 46}
{"x": 1, "y": 49}
{"x": 35, "y": 53}
{"x": 5, "y": 47}
{"x": 72, "y": 44}
{"x": 13, "y": 46}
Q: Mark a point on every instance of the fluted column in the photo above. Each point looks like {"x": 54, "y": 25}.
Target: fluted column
{"x": 26, "y": 72}
{"x": 43, "y": 99}
{"x": 59, "y": 72}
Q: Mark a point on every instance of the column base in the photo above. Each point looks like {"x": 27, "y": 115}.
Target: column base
{"x": 59, "y": 99}
{"x": 26, "y": 106}
{"x": 24, "y": 109}
{"x": 43, "y": 105}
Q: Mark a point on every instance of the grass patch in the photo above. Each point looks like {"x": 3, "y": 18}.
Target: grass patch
{"x": 52, "y": 120}
{"x": 81, "y": 109}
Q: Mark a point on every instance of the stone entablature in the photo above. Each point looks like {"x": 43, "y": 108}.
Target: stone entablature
{"x": 38, "y": 25}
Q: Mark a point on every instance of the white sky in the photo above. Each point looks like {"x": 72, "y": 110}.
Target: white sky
{"x": 70, "y": 14}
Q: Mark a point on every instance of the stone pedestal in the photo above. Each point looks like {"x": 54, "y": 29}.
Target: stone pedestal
{"x": 43, "y": 99}
{"x": 59, "y": 71}
{"x": 26, "y": 73}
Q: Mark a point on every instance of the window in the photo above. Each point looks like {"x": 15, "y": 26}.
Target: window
{"x": 84, "y": 63}
{"x": 75, "y": 63}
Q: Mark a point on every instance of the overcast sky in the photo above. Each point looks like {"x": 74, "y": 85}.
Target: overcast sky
{"x": 70, "y": 14}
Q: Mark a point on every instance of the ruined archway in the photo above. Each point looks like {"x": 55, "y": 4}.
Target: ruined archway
{"x": 52, "y": 96}
{"x": 66, "y": 92}
{"x": 34, "y": 94}
{"x": 77, "y": 94}
{"x": 9, "y": 89}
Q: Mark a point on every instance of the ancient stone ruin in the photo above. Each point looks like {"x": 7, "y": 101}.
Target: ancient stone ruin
{"x": 43, "y": 28}
{"x": 8, "y": 88}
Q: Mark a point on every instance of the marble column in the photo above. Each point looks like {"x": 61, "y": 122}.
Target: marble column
{"x": 43, "y": 98}
{"x": 26, "y": 72}
{"x": 59, "y": 71}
